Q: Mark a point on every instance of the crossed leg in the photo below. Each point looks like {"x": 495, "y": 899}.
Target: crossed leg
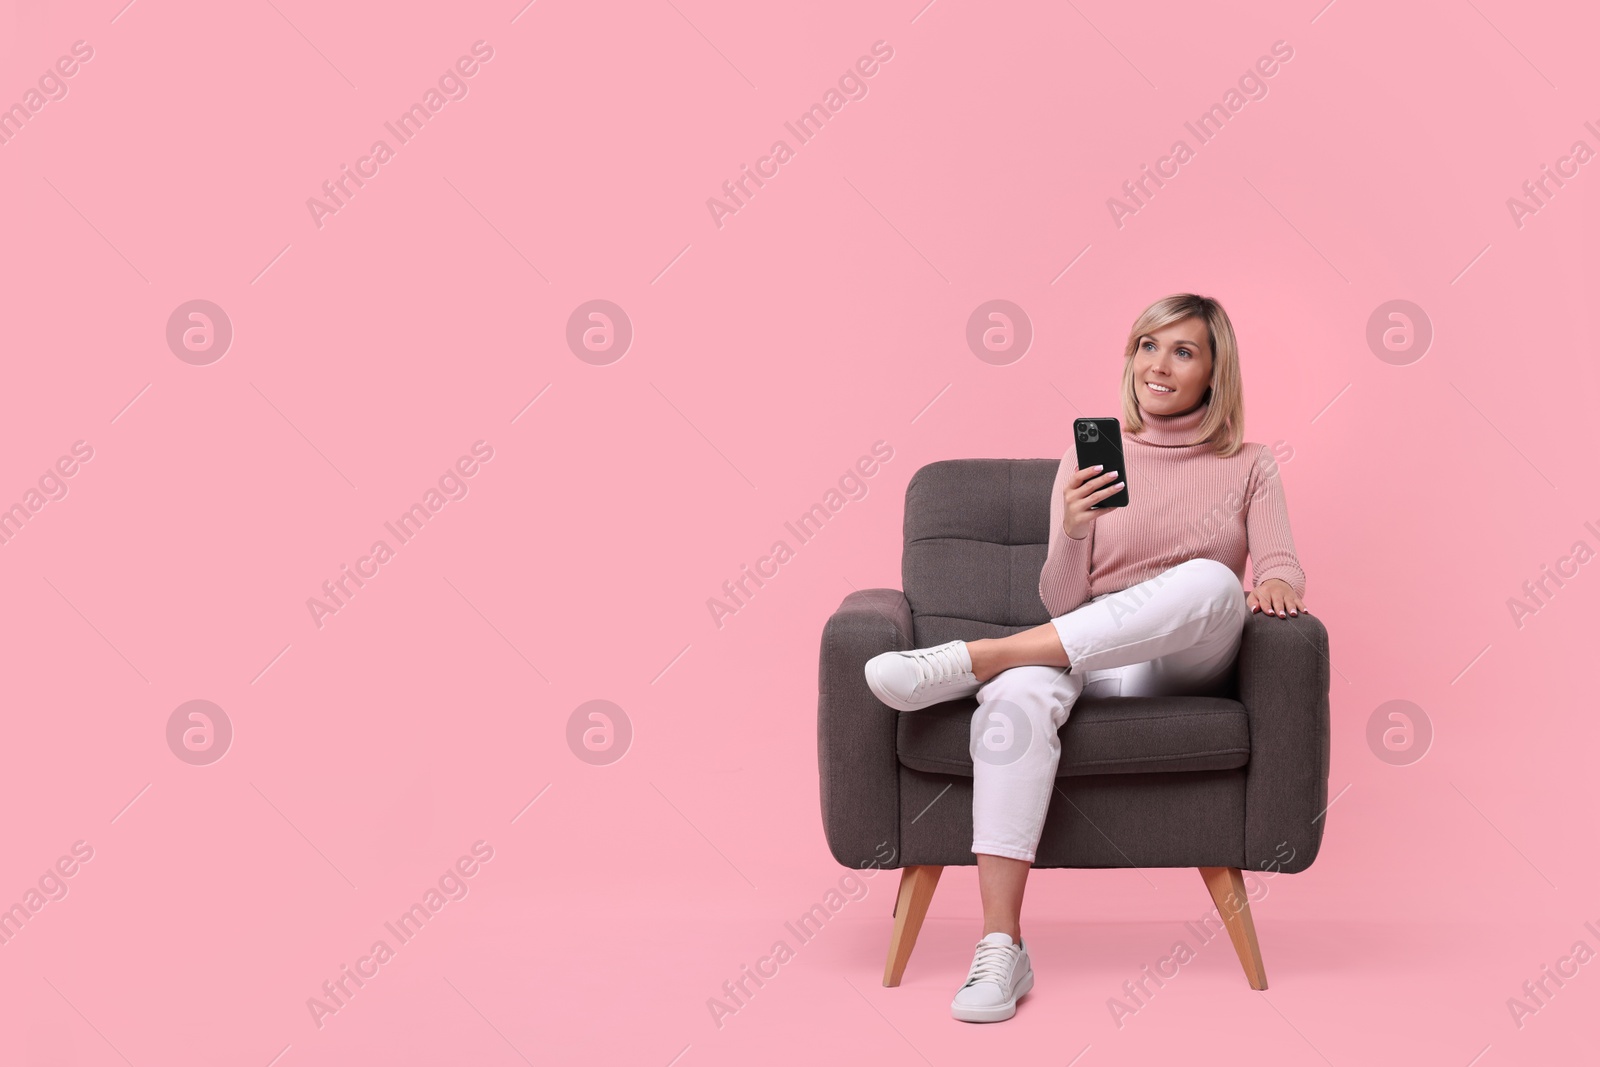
{"x": 1177, "y": 632}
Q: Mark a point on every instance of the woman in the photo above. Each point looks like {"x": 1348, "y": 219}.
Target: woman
{"x": 1144, "y": 600}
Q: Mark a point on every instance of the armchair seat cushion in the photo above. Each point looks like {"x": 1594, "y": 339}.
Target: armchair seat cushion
{"x": 1104, "y": 735}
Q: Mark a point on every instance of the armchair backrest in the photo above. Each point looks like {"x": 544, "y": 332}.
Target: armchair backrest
{"x": 976, "y": 533}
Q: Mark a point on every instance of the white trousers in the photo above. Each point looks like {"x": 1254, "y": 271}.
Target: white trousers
{"x": 1175, "y": 634}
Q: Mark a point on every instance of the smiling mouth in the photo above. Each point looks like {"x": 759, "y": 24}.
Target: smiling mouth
{"x": 1160, "y": 390}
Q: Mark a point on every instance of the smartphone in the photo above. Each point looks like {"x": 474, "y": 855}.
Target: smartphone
{"x": 1099, "y": 441}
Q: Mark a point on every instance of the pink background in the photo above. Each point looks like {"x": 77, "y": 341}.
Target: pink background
{"x": 768, "y": 354}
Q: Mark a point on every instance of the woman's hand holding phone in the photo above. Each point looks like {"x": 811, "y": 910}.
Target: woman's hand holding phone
{"x": 1085, "y": 489}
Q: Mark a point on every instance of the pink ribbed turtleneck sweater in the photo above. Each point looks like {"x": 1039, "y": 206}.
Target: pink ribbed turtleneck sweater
{"x": 1184, "y": 502}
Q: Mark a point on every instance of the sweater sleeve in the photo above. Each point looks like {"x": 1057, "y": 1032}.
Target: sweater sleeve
{"x": 1064, "y": 581}
{"x": 1267, "y": 533}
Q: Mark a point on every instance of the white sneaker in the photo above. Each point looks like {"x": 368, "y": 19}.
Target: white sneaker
{"x": 1000, "y": 975}
{"x": 907, "y": 681}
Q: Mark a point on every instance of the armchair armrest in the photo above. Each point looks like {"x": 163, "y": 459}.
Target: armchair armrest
{"x": 1283, "y": 681}
{"x": 860, "y": 772}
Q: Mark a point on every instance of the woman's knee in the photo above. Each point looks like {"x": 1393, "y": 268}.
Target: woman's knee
{"x": 1042, "y": 694}
{"x": 1019, "y": 721}
{"x": 1030, "y": 680}
{"x": 1214, "y": 579}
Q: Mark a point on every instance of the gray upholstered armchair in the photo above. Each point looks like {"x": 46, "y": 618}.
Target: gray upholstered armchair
{"x": 1208, "y": 782}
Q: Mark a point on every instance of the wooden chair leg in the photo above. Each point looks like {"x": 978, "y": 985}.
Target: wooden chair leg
{"x": 911, "y": 907}
{"x": 1233, "y": 905}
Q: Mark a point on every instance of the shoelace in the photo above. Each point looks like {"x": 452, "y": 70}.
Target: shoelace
{"x": 992, "y": 964}
{"x": 938, "y": 666}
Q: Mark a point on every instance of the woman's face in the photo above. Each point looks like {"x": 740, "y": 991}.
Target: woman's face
{"x": 1172, "y": 368}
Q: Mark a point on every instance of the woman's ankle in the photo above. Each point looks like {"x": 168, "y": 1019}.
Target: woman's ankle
{"x": 983, "y": 665}
{"x": 990, "y": 656}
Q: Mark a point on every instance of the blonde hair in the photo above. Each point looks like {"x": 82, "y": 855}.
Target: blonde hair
{"x": 1223, "y": 425}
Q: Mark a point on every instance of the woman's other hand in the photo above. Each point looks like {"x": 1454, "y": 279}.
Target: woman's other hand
{"x": 1085, "y": 488}
{"x": 1276, "y": 597}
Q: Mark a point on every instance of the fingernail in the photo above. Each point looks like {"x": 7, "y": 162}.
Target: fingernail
{"x": 1294, "y": 613}
{"x": 1099, "y": 466}
{"x": 1113, "y": 474}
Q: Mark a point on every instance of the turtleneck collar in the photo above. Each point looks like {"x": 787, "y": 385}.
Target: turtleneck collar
{"x": 1173, "y": 430}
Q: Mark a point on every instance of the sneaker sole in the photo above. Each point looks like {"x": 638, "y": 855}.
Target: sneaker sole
{"x": 994, "y": 1013}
